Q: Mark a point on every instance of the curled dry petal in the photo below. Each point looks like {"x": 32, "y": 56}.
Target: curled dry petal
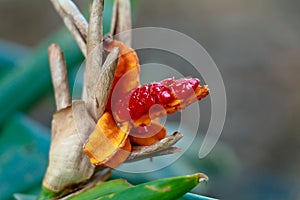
{"x": 74, "y": 21}
{"x": 161, "y": 147}
{"x": 106, "y": 141}
{"x": 78, "y": 19}
{"x": 58, "y": 70}
{"x": 94, "y": 35}
{"x": 136, "y": 156}
{"x": 121, "y": 21}
{"x": 94, "y": 57}
{"x": 127, "y": 72}
{"x": 105, "y": 82}
{"x": 120, "y": 156}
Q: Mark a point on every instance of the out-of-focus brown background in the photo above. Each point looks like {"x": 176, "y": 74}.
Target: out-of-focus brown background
{"x": 256, "y": 46}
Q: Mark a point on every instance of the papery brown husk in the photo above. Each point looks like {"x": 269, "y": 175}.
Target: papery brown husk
{"x": 68, "y": 165}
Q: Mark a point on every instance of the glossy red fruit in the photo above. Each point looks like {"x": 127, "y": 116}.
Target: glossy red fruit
{"x": 140, "y": 100}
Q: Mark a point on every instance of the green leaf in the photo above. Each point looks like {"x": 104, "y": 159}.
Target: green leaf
{"x": 163, "y": 189}
{"x": 105, "y": 188}
{"x": 47, "y": 194}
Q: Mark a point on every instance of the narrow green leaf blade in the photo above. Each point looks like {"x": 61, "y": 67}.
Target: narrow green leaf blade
{"x": 105, "y": 188}
{"x": 163, "y": 189}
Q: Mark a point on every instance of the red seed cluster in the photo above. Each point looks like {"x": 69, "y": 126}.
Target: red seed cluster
{"x": 141, "y": 99}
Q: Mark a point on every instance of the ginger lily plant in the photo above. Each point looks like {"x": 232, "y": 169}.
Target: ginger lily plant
{"x": 102, "y": 130}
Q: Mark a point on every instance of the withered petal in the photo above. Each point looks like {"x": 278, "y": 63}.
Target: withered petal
{"x": 118, "y": 157}
{"x": 105, "y": 140}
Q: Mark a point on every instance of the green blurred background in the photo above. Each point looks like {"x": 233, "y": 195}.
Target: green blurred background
{"x": 255, "y": 45}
